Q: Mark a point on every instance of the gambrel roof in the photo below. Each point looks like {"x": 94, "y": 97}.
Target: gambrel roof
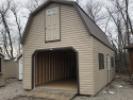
{"x": 93, "y": 29}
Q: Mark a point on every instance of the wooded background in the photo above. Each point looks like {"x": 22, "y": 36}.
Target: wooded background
{"x": 112, "y": 16}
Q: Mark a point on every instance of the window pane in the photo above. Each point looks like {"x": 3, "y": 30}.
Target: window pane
{"x": 101, "y": 60}
{"x": 112, "y": 62}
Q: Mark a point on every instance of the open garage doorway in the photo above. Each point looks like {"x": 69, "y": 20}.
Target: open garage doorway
{"x": 56, "y": 68}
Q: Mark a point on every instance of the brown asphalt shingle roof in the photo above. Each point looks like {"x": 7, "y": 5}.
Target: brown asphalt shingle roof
{"x": 93, "y": 29}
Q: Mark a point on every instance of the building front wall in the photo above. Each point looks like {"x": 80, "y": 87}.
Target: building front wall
{"x": 73, "y": 34}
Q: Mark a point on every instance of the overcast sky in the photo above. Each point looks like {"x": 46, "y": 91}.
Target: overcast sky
{"x": 23, "y": 12}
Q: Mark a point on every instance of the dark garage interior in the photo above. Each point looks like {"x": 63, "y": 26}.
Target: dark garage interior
{"x": 56, "y": 68}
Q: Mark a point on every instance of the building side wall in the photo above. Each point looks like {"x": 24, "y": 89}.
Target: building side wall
{"x": 102, "y": 76}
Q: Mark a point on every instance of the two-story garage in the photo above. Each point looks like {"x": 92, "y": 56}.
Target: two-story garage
{"x": 63, "y": 45}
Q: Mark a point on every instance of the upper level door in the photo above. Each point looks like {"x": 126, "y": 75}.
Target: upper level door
{"x": 52, "y": 24}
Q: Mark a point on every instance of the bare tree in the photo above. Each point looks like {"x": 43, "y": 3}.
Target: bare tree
{"x": 17, "y": 21}
{"x": 119, "y": 17}
{"x": 11, "y": 31}
{"x": 94, "y": 10}
{"x": 5, "y": 43}
{"x": 122, "y": 7}
{"x": 119, "y": 14}
{"x": 32, "y": 5}
{"x": 3, "y": 17}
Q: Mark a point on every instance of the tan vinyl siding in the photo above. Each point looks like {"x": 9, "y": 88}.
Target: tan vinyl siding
{"x": 10, "y": 69}
{"x": 73, "y": 33}
{"x": 101, "y": 75}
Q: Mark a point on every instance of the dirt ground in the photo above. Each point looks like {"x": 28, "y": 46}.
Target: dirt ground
{"x": 120, "y": 89}
{"x": 28, "y": 98}
{"x": 12, "y": 89}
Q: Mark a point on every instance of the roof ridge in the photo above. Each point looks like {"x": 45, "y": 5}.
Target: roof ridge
{"x": 53, "y": 1}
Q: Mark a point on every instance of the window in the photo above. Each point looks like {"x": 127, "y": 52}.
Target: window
{"x": 107, "y": 61}
{"x": 101, "y": 61}
{"x": 112, "y": 61}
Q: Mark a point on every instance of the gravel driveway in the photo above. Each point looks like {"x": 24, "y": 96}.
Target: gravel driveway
{"x": 120, "y": 89}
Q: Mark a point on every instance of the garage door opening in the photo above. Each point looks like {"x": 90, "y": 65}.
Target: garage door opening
{"x": 56, "y": 69}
